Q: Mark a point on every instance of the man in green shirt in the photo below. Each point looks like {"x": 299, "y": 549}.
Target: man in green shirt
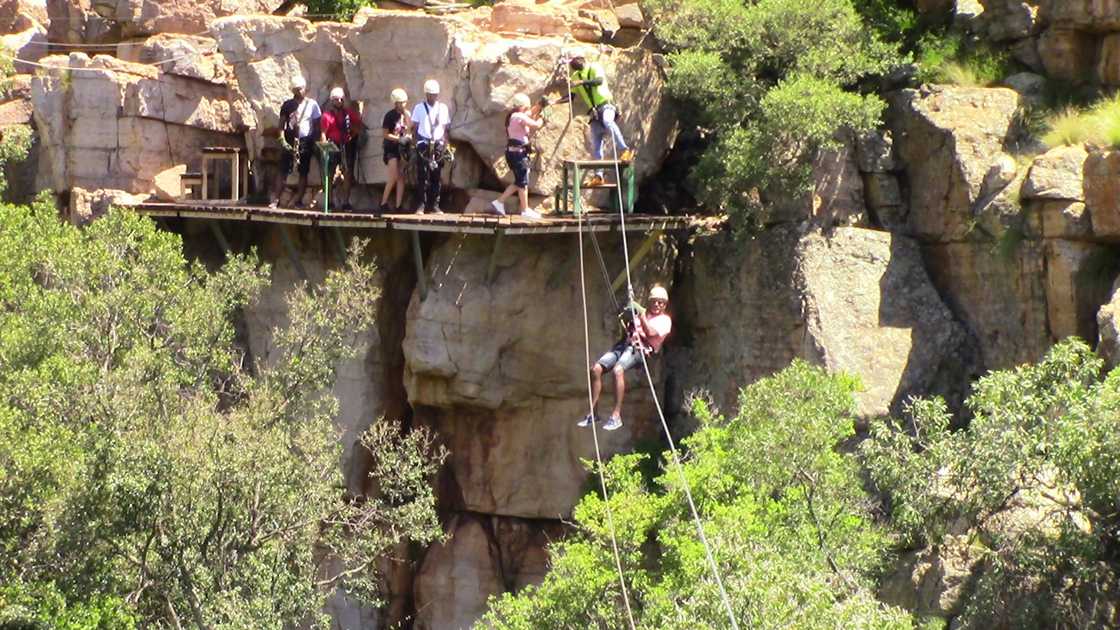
{"x": 589, "y": 82}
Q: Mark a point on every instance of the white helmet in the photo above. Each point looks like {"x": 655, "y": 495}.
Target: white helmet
{"x": 338, "y": 93}
{"x": 431, "y": 86}
{"x": 521, "y": 100}
{"x": 658, "y": 292}
{"x": 399, "y": 96}
{"x": 299, "y": 82}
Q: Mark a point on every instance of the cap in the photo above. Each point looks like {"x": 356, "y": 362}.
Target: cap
{"x": 431, "y": 86}
{"x": 521, "y": 100}
{"x": 659, "y": 293}
{"x": 338, "y": 93}
{"x": 299, "y": 82}
{"x": 399, "y": 96}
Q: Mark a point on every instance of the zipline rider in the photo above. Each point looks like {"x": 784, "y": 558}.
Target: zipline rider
{"x": 430, "y": 119}
{"x": 645, "y": 334}
{"x": 589, "y": 81}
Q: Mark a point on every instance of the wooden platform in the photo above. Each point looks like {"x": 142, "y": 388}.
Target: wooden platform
{"x": 459, "y": 223}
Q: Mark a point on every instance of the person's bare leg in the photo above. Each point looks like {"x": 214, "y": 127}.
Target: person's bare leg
{"x": 523, "y": 198}
{"x": 347, "y": 182}
{"x": 390, "y": 179}
{"x": 596, "y": 384}
{"x": 619, "y": 390}
{"x": 507, "y": 193}
{"x": 301, "y": 189}
{"x": 278, "y": 187}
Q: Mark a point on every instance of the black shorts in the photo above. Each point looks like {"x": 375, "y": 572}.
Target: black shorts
{"x": 306, "y": 151}
{"x": 350, "y": 150}
{"x": 390, "y": 151}
{"x": 518, "y": 161}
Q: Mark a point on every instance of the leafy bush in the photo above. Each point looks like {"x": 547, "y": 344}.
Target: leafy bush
{"x": 784, "y": 510}
{"x": 738, "y": 70}
{"x": 1045, "y": 436}
{"x": 142, "y": 460}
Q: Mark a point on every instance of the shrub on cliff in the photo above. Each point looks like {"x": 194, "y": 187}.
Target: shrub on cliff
{"x": 769, "y": 83}
{"x": 144, "y": 462}
{"x": 784, "y": 510}
{"x": 1033, "y": 480}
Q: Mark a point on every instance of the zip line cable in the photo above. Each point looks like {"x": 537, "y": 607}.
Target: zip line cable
{"x": 657, "y": 403}
{"x": 595, "y": 431}
{"x": 590, "y": 399}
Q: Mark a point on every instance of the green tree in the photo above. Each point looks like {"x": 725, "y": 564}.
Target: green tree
{"x": 1045, "y": 437}
{"x": 770, "y": 83}
{"x": 144, "y": 461}
{"x": 789, "y": 523}
{"x": 15, "y": 140}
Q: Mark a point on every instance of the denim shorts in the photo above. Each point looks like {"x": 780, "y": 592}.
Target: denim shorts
{"x": 622, "y": 355}
{"x": 518, "y": 161}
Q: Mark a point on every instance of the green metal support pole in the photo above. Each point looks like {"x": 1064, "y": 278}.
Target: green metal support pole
{"x": 418, "y": 258}
{"x": 577, "y": 198}
{"x": 631, "y": 192}
{"x": 341, "y": 244}
{"x": 643, "y": 251}
{"x": 220, "y": 237}
{"x": 293, "y": 255}
{"x": 494, "y": 257}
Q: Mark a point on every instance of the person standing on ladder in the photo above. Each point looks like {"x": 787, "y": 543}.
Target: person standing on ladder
{"x": 341, "y": 126}
{"x": 299, "y": 129}
{"x": 430, "y": 119}
{"x": 645, "y": 333}
{"x": 589, "y": 81}
{"x": 394, "y": 131}
{"x": 519, "y": 124}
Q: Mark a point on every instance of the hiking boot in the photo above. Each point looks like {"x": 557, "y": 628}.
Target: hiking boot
{"x": 587, "y": 420}
{"x": 498, "y": 208}
{"x": 595, "y": 180}
{"x": 613, "y": 423}
{"x": 627, "y": 156}
{"x": 529, "y": 213}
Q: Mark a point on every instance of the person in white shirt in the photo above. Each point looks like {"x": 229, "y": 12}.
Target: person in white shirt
{"x": 299, "y": 129}
{"x": 645, "y": 334}
{"x": 430, "y": 120}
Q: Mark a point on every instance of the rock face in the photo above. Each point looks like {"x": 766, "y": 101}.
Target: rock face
{"x": 1108, "y": 319}
{"x": 114, "y": 124}
{"x": 479, "y": 73}
{"x": 483, "y": 368}
{"x": 105, "y": 22}
{"x": 958, "y": 135}
{"x": 854, "y": 300}
{"x": 227, "y": 90}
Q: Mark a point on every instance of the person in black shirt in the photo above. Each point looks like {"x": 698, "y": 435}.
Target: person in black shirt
{"x": 299, "y": 128}
{"x": 394, "y": 128}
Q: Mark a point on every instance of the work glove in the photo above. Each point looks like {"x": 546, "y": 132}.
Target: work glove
{"x": 638, "y": 309}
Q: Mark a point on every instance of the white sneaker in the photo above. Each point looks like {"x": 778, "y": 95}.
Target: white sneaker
{"x": 499, "y": 209}
{"x": 272, "y": 204}
{"x": 529, "y": 213}
{"x": 586, "y": 422}
{"x": 615, "y": 422}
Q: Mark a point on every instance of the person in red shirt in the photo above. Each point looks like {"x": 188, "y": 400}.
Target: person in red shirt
{"x": 645, "y": 335}
{"x": 341, "y": 127}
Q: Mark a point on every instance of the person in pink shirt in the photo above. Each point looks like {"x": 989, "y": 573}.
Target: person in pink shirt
{"x": 341, "y": 126}
{"x": 645, "y": 335}
{"x": 520, "y": 123}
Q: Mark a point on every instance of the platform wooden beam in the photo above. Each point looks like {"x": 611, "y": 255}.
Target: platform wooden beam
{"x": 643, "y": 250}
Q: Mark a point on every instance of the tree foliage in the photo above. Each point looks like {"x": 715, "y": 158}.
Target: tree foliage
{"x": 1034, "y": 479}
{"x": 147, "y": 467}
{"x": 770, "y": 82}
{"x": 790, "y": 527}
